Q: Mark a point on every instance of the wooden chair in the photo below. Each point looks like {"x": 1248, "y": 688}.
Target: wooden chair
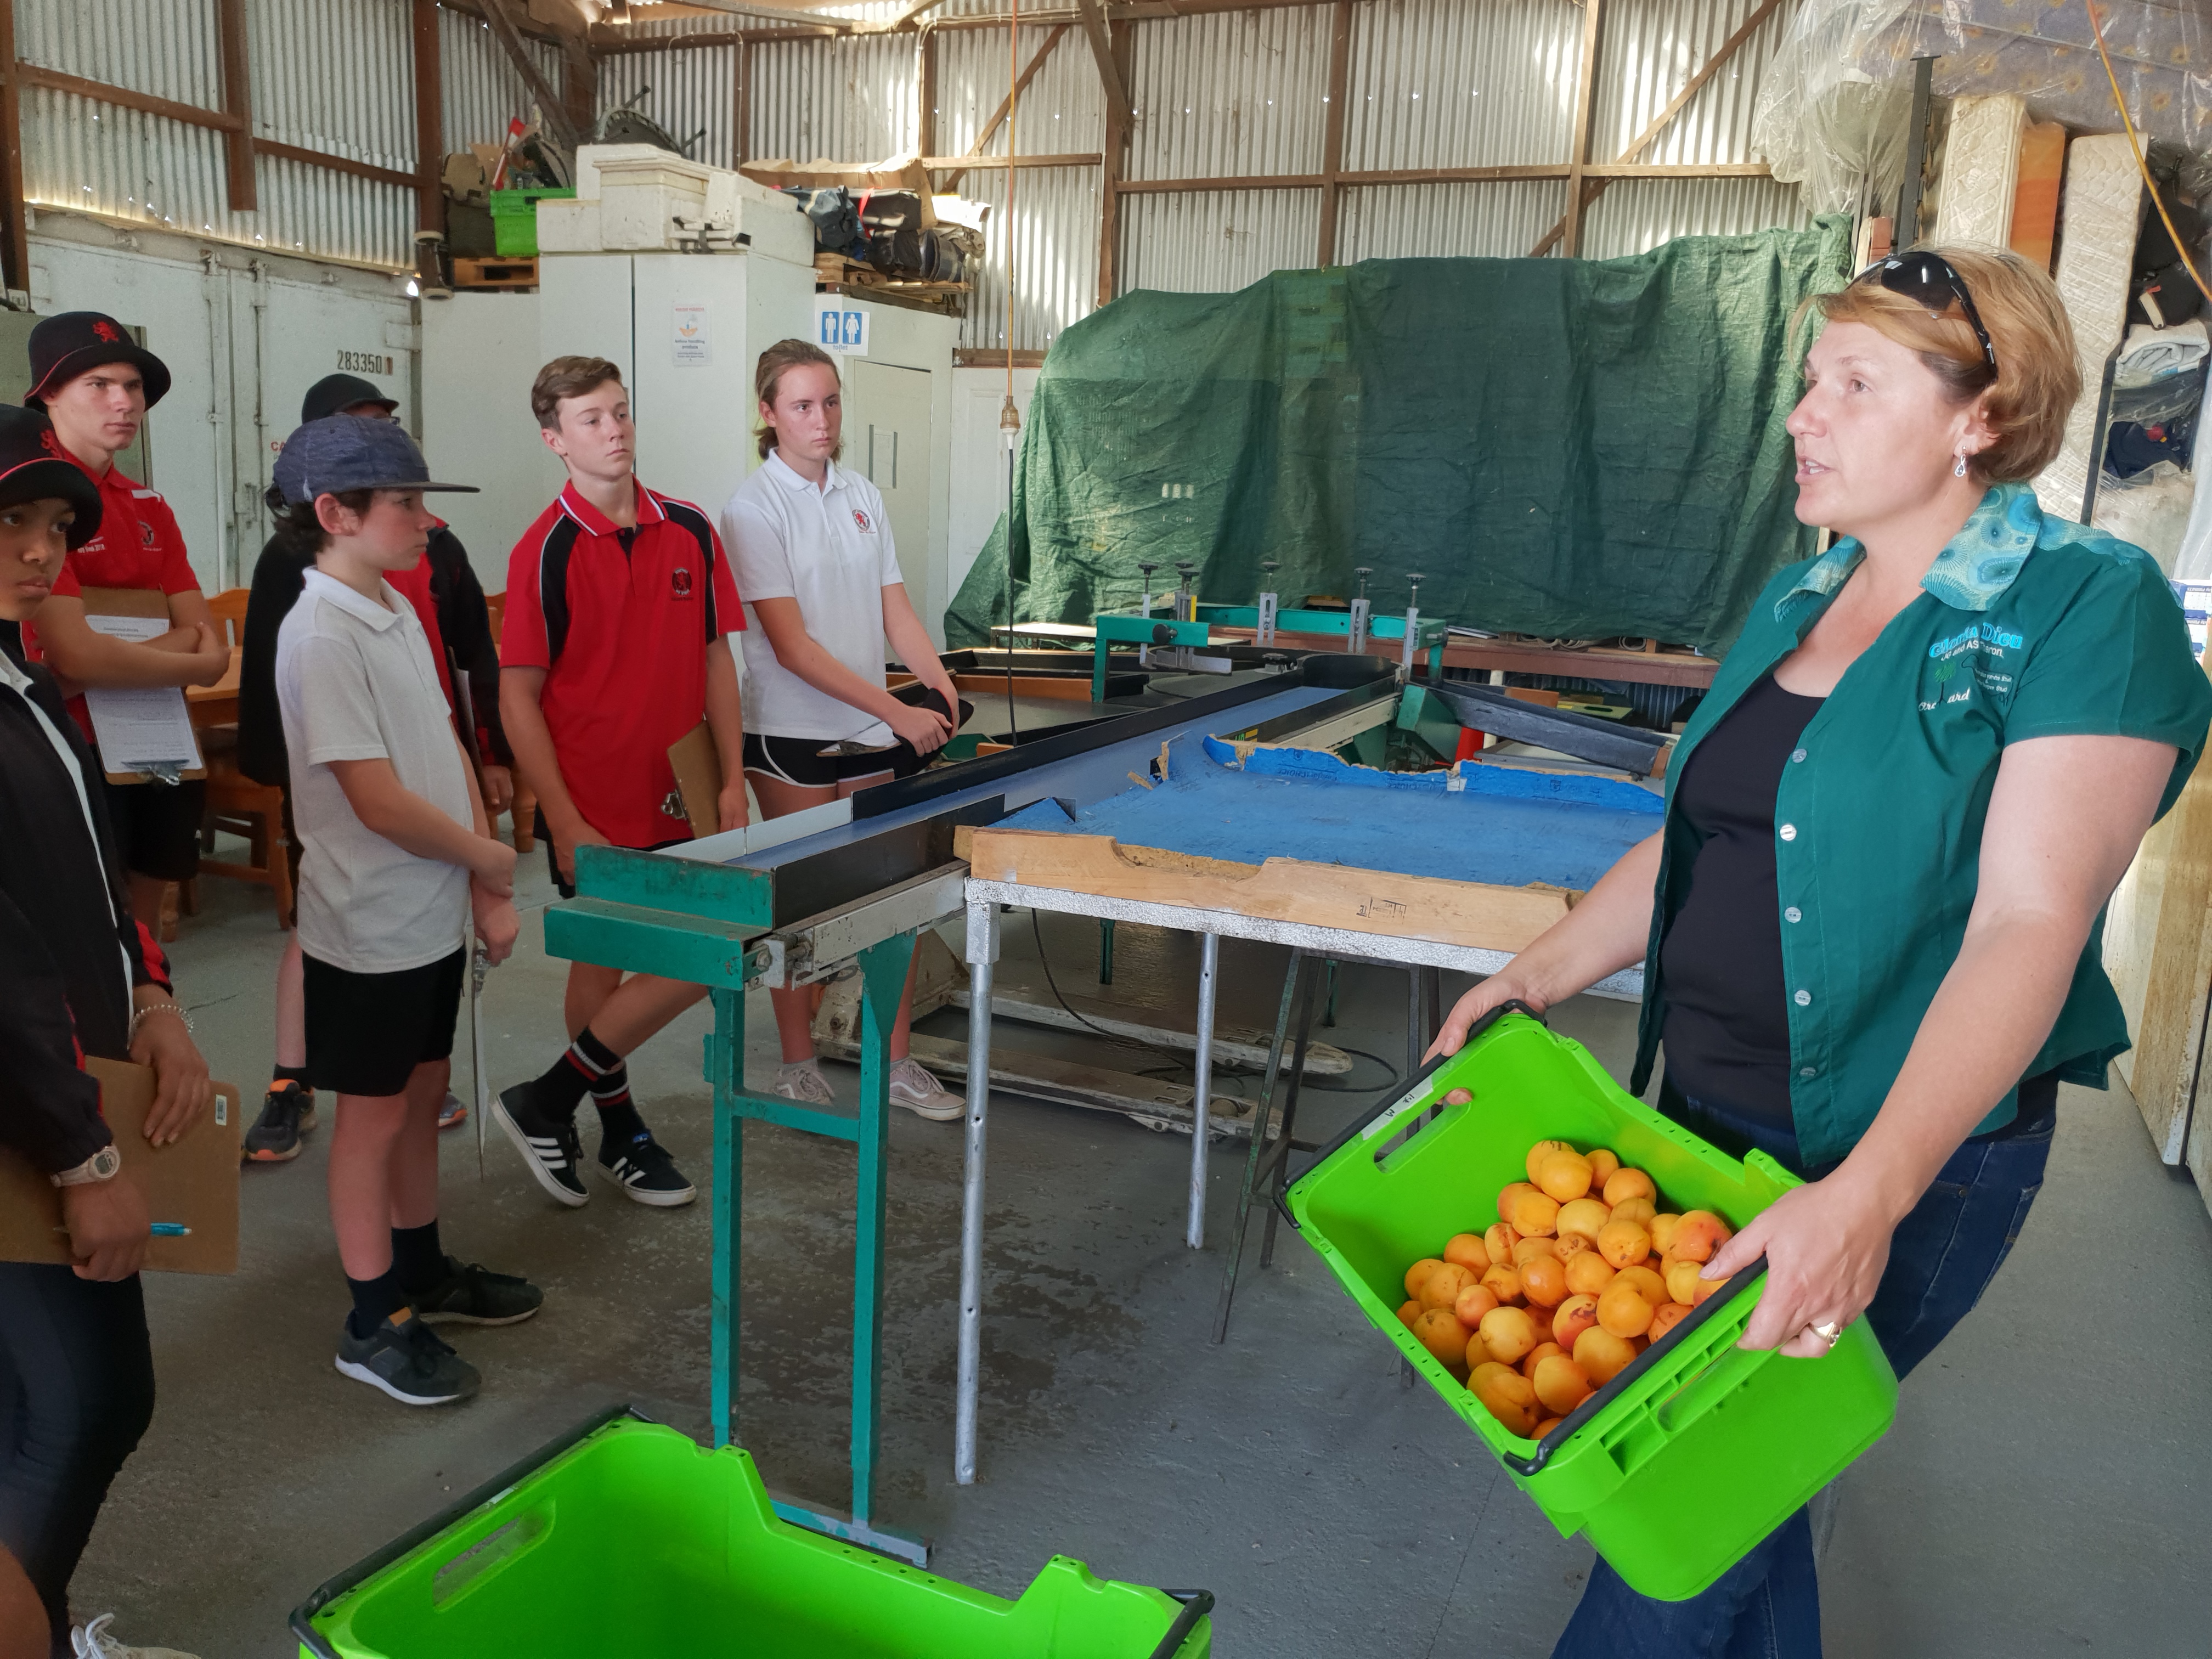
{"x": 235, "y": 803}
{"x": 524, "y": 808}
{"x": 228, "y": 610}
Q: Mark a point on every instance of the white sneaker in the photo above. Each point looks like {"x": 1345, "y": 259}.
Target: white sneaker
{"x": 913, "y": 1088}
{"x": 803, "y": 1081}
{"x": 93, "y": 1641}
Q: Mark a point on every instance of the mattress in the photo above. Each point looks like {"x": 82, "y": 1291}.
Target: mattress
{"x": 1981, "y": 170}
{"x": 2096, "y": 251}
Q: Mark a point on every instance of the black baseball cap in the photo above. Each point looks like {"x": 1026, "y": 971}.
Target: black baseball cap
{"x": 30, "y": 472}
{"x": 64, "y": 347}
{"x": 348, "y": 452}
{"x": 334, "y": 393}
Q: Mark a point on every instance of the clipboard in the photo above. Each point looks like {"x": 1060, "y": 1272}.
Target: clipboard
{"x": 698, "y": 767}
{"x": 134, "y": 602}
{"x": 193, "y": 1181}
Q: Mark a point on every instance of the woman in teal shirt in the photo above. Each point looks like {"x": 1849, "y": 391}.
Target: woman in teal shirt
{"x": 1871, "y": 923}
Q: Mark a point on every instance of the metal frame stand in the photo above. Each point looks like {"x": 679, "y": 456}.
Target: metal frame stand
{"x": 883, "y": 972}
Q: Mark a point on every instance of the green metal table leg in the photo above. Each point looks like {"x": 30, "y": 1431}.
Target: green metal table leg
{"x": 1097, "y": 665}
{"x": 1436, "y": 662}
{"x": 882, "y": 979}
{"x": 1105, "y": 949}
{"x": 725, "y": 1048}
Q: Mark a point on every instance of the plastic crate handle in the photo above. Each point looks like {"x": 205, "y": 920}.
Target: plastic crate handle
{"x": 1398, "y": 1093}
{"x": 1196, "y": 1604}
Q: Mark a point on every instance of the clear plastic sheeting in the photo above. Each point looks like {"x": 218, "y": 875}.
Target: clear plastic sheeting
{"x": 1832, "y": 118}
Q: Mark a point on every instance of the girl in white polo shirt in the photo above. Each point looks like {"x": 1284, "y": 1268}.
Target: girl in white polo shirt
{"x": 823, "y": 600}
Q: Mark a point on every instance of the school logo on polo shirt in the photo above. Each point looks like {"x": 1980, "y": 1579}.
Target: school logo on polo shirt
{"x": 145, "y": 532}
{"x": 679, "y": 581}
{"x": 867, "y": 525}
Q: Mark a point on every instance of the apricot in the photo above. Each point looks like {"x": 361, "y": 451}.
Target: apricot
{"x": 1498, "y": 1240}
{"x": 1542, "y": 1150}
{"x": 1501, "y": 1389}
{"x": 1639, "y": 1210}
{"x": 1536, "y": 1355}
{"x": 1665, "y": 1317}
{"x": 1623, "y": 1311}
{"x": 1458, "y": 1097}
{"x": 1529, "y": 1249}
{"x": 1648, "y": 1285}
{"x": 1560, "y": 1385}
{"x": 1442, "y": 1285}
{"x": 1564, "y": 1176}
{"x": 1508, "y": 1333}
{"x": 1543, "y": 1430}
{"x": 1407, "y": 1313}
{"x": 1419, "y": 1272}
{"x": 1476, "y": 1353}
{"x": 1442, "y": 1335}
{"x": 1701, "y": 1233}
{"x": 1624, "y": 1243}
{"x": 1544, "y": 1281}
{"x": 1585, "y": 1216}
{"x": 1568, "y": 1246}
{"x": 1603, "y": 1161}
{"x": 1474, "y": 1301}
{"x": 1505, "y": 1284}
{"x": 1536, "y": 1215}
{"x": 1625, "y": 1183}
{"x": 1602, "y": 1355}
{"x": 1507, "y": 1196}
{"x": 1706, "y": 1287}
{"x": 1683, "y": 1281}
{"x": 1589, "y": 1274}
{"x": 1661, "y": 1227}
{"x": 1574, "y": 1316}
{"x": 1467, "y": 1250}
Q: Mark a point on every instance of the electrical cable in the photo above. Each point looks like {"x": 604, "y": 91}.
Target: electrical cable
{"x": 2134, "y": 144}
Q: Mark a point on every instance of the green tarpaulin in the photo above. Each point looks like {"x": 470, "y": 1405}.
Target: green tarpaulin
{"x": 1561, "y": 447}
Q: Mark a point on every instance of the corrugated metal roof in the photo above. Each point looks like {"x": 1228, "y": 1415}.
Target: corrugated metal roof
{"x": 1437, "y": 84}
{"x": 687, "y": 91}
{"x": 1056, "y": 231}
{"x": 1063, "y": 108}
{"x": 482, "y": 89}
{"x": 1500, "y": 221}
{"x": 1637, "y": 215}
{"x": 1215, "y": 241}
{"x": 1231, "y": 92}
{"x": 850, "y": 98}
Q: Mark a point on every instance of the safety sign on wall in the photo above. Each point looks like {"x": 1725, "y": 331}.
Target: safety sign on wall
{"x": 840, "y": 329}
{"x": 690, "y": 341}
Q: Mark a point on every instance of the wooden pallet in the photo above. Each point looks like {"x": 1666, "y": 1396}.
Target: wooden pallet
{"x": 495, "y": 273}
{"x": 837, "y": 271}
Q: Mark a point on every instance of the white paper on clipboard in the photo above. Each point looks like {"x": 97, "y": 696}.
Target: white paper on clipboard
{"x": 138, "y": 727}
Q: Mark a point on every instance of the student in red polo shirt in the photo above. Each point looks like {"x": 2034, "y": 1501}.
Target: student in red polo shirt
{"x": 95, "y": 384}
{"x": 619, "y": 603}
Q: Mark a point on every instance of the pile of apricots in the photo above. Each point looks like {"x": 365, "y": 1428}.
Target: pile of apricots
{"x": 1581, "y": 1271}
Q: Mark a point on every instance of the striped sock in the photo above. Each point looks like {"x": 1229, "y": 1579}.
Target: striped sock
{"x": 618, "y": 1118}
{"x": 583, "y": 1064}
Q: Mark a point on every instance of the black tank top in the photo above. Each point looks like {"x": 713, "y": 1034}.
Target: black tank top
{"x": 1727, "y": 1022}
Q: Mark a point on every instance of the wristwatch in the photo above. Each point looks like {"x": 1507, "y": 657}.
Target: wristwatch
{"x": 102, "y": 1165}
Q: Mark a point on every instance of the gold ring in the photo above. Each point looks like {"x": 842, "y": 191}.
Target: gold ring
{"x": 1830, "y": 1333}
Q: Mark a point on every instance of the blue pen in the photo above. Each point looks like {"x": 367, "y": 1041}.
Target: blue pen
{"x": 171, "y": 1230}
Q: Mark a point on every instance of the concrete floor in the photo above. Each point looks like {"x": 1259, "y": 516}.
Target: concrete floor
{"x": 2045, "y": 1488}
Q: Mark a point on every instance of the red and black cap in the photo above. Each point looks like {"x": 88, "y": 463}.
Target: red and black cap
{"x": 64, "y": 347}
{"x": 31, "y": 471}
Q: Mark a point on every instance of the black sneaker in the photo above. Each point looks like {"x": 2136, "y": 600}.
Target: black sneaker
{"x": 643, "y": 1170}
{"x": 549, "y": 1146}
{"x": 471, "y": 1295}
{"x": 288, "y": 1111}
{"x": 404, "y": 1357}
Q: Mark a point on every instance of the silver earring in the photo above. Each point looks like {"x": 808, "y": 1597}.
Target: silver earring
{"x": 1958, "y": 467}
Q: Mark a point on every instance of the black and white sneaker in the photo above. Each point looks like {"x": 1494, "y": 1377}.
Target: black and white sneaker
{"x": 551, "y": 1146}
{"x": 473, "y": 1295}
{"x": 644, "y": 1170}
{"x": 404, "y": 1357}
{"x": 288, "y": 1111}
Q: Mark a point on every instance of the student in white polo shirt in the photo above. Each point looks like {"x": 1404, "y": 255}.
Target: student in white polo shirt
{"x": 823, "y": 600}
{"x": 399, "y": 866}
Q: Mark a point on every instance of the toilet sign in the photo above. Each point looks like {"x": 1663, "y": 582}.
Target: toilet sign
{"x": 840, "y": 328}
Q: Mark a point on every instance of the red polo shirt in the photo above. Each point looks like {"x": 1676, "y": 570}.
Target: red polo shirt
{"x": 621, "y": 621}
{"x": 139, "y": 545}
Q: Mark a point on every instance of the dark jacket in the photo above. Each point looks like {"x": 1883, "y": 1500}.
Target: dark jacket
{"x": 64, "y": 913}
{"x": 462, "y": 619}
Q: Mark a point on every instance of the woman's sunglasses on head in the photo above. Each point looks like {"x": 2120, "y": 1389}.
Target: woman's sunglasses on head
{"x": 1927, "y": 280}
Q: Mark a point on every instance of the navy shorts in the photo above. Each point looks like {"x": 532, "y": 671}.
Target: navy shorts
{"x": 367, "y": 1032}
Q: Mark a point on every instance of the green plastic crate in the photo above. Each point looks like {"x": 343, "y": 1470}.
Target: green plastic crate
{"x": 514, "y": 219}
{"x": 1697, "y": 1450}
{"x": 627, "y": 1538}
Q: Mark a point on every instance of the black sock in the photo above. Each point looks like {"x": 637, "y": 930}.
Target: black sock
{"x": 375, "y": 1301}
{"x": 418, "y": 1261}
{"x": 583, "y": 1064}
{"x": 618, "y": 1118}
{"x": 289, "y": 1074}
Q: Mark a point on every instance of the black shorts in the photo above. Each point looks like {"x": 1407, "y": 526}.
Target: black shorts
{"x": 157, "y": 827}
{"x": 553, "y": 858}
{"x": 813, "y": 764}
{"x": 367, "y": 1032}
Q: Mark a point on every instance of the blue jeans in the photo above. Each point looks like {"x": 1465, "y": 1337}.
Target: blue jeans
{"x": 1941, "y": 1258}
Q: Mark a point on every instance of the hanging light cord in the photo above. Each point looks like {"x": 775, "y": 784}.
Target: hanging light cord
{"x": 2134, "y": 144}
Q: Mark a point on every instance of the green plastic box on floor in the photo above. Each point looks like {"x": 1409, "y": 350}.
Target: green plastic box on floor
{"x": 1698, "y": 1449}
{"x": 633, "y": 1540}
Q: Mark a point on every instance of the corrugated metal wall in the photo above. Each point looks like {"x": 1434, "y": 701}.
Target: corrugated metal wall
{"x": 353, "y": 96}
{"x": 1056, "y": 252}
{"x": 685, "y": 91}
{"x": 483, "y": 91}
{"x": 1231, "y": 92}
{"x": 1212, "y": 242}
{"x": 850, "y": 98}
{"x": 1439, "y": 84}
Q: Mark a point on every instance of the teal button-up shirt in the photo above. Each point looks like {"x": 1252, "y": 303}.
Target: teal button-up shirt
{"x": 2028, "y": 627}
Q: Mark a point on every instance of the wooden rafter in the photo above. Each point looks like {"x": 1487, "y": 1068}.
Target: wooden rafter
{"x": 239, "y": 184}
{"x": 15, "y": 241}
{"x": 1006, "y": 105}
{"x": 1102, "y": 53}
{"x": 429, "y": 118}
{"x": 1585, "y": 122}
{"x": 1119, "y": 131}
{"x": 1332, "y": 144}
{"x": 550, "y": 104}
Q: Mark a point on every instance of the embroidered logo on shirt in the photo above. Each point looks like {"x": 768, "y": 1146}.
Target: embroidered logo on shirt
{"x": 867, "y": 525}
{"x": 679, "y": 581}
{"x": 146, "y": 533}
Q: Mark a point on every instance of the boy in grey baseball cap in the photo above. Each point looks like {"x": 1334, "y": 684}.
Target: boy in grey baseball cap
{"x": 399, "y": 868}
